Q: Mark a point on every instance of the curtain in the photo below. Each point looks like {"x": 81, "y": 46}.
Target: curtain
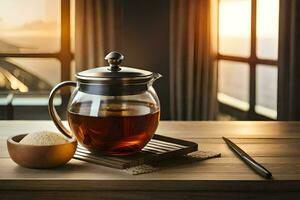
{"x": 289, "y": 61}
{"x": 97, "y": 31}
{"x": 193, "y": 72}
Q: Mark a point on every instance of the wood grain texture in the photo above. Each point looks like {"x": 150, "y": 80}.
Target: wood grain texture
{"x": 146, "y": 195}
{"x": 274, "y": 144}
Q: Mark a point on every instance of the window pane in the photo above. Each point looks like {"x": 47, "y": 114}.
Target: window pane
{"x": 233, "y": 83}
{"x": 31, "y": 26}
{"x": 235, "y": 27}
{"x": 28, "y": 74}
{"x": 267, "y": 28}
{"x": 266, "y": 90}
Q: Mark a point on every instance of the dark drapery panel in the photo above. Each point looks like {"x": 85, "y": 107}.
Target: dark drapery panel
{"x": 193, "y": 73}
{"x": 289, "y": 60}
{"x": 97, "y": 31}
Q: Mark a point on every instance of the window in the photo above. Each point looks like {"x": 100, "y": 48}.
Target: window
{"x": 35, "y": 51}
{"x": 247, "y": 58}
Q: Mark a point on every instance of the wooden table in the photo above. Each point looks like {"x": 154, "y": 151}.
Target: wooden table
{"x": 275, "y": 144}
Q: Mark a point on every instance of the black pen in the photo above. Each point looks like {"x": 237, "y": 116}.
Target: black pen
{"x": 248, "y": 160}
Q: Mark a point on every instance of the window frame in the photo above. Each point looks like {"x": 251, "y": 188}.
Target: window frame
{"x": 253, "y": 61}
{"x": 64, "y": 56}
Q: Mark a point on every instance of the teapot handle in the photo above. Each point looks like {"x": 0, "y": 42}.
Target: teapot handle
{"x": 52, "y": 111}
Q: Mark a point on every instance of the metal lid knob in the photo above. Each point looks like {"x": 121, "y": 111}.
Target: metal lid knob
{"x": 114, "y": 59}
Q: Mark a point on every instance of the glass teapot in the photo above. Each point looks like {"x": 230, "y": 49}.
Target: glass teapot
{"x": 113, "y": 110}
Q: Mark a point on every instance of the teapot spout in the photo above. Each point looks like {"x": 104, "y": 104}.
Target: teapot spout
{"x": 156, "y": 76}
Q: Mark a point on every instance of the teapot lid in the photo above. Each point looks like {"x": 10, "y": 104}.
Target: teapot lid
{"x": 114, "y": 73}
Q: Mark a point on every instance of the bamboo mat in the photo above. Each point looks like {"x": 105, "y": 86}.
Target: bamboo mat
{"x": 160, "y": 152}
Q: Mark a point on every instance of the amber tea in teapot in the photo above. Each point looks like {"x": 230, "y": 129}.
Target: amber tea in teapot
{"x": 117, "y": 130}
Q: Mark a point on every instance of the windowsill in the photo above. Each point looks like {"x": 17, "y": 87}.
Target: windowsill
{"x": 244, "y": 106}
{"x": 29, "y": 100}
{"x": 266, "y": 112}
{"x": 231, "y": 101}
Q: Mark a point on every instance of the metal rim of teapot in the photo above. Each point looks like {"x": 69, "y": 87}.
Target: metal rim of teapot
{"x": 116, "y": 74}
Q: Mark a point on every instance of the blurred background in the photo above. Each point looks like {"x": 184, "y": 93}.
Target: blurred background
{"x": 219, "y": 58}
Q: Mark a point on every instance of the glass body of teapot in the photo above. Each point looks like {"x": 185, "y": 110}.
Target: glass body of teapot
{"x": 113, "y": 110}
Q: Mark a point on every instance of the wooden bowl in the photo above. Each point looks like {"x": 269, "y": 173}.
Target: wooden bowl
{"x": 34, "y": 156}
